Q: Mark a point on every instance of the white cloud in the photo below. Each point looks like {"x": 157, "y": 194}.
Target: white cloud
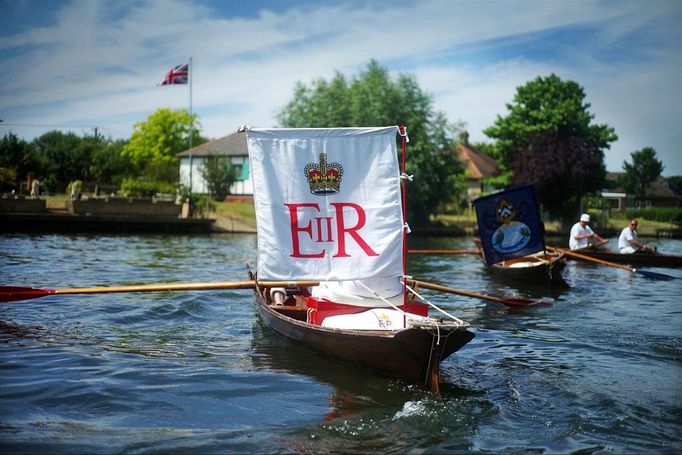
{"x": 98, "y": 62}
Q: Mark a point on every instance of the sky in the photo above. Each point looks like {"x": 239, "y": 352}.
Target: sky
{"x": 77, "y": 65}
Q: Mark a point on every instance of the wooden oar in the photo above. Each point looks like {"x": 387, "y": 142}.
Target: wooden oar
{"x": 14, "y": 293}
{"x": 444, "y": 252}
{"x": 513, "y": 302}
{"x": 646, "y": 273}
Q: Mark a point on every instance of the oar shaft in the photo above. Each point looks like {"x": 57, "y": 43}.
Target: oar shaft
{"x": 589, "y": 258}
{"x": 444, "y": 252}
{"x": 186, "y": 287}
{"x": 438, "y": 287}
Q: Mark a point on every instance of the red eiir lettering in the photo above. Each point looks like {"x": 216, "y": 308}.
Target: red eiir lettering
{"x": 295, "y": 229}
{"x": 341, "y": 229}
{"x": 315, "y": 231}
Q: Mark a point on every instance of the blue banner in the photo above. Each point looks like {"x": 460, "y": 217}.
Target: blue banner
{"x": 509, "y": 224}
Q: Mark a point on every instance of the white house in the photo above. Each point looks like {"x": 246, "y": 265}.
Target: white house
{"x": 232, "y": 146}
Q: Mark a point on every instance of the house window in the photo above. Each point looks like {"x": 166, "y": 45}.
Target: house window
{"x": 241, "y": 171}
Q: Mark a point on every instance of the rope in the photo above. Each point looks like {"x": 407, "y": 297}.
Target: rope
{"x": 423, "y": 299}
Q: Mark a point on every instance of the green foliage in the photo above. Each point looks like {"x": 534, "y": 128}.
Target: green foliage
{"x": 155, "y": 142}
{"x": 639, "y": 175}
{"x": 548, "y": 140}
{"x": 108, "y": 164}
{"x": 201, "y": 205}
{"x": 374, "y": 99}
{"x": 662, "y": 214}
{"x": 547, "y": 104}
{"x": 675, "y": 184}
{"x": 63, "y": 158}
{"x": 8, "y": 179}
{"x": 133, "y": 187}
{"x": 562, "y": 169}
{"x": 17, "y": 159}
{"x": 219, "y": 175}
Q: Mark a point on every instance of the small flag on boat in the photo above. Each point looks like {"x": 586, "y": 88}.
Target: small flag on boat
{"x": 509, "y": 224}
{"x": 328, "y": 203}
{"x": 177, "y": 75}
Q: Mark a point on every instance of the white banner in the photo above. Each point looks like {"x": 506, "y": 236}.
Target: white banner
{"x": 328, "y": 203}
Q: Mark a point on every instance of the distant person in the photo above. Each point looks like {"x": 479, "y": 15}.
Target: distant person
{"x": 75, "y": 191}
{"x": 581, "y": 234}
{"x": 35, "y": 189}
{"x": 628, "y": 242}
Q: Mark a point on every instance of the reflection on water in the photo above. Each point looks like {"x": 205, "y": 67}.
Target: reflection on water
{"x": 599, "y": 369}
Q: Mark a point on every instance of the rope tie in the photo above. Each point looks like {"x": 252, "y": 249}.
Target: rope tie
{"x": 423, "y": 299}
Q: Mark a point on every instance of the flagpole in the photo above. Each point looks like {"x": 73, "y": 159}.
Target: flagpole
{"x": 191, "y": 124}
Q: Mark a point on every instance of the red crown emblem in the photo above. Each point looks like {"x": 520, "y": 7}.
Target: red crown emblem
{"x": 324, "y": 178}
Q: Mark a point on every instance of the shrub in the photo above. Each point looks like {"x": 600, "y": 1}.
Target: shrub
{"x": 144, "y": 188}
{"x": 662, "y": 214}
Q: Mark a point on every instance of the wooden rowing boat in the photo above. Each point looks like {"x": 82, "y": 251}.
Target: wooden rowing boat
{"x": 638, "y": 259}
{"x": 535, "y": 268}
{"x": 413, "y": 353}
{"x": 541, "y": 267}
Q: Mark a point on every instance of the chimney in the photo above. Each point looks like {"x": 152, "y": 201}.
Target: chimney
{"x": 464, "y": 138}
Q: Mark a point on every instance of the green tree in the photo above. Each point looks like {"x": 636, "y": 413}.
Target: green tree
{"x": 562, "y": 169}
{"x": 108, "y": 165}
{"x": 63, "y": 157}
{"x": 374, "y": 99}
{"x": 548, "y": 139}
{"x": 639, "y": 175}
{"x": 155, "y": 142}
{"x": 675, "y": 184}
{"x": 219, "y": 175}
{"x": 547, "y": 104}
{"x": 17, "y": 159}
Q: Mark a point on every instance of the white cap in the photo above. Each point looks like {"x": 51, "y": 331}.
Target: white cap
{"x": 585, "y": 217}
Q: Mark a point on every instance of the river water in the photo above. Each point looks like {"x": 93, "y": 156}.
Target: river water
{"x": 598, "y": 370}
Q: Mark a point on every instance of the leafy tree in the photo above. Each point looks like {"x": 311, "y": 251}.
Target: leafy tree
{"x": 155, "y": 142}
{"x": 548, "y": 139}
{"x": 219, "y": 175}
{"x": 373, "y": 98}
{"x": 108, "y": 164}
{"x": 63, "y": 157}
{"x": 675, "y": 184}
{"x": 17, "y": 159}
{"x": 542, "y": 105}
{"x": 639, "y": 175}
{"x": 562, "y": 169}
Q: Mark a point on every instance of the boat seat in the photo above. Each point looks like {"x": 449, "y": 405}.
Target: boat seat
{"x": 294, "y": 312}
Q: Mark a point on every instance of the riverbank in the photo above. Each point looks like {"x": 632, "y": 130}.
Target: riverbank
{"x": 239, "y": 217}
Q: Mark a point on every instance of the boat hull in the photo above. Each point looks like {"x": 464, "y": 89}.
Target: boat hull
{"x": 635, "y": 259}
{"x": 543, "y": 268}
{"x": 413, "y": 354}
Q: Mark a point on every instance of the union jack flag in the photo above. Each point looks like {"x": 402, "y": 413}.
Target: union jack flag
{"x": 177, "y": 75}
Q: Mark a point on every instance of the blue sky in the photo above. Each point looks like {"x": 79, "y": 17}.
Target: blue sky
{"x": 79, "y": 64}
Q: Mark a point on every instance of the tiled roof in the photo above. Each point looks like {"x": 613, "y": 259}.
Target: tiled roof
{"x": 231, "y": 145}
{"x": 658, "y": 188}
{"x": 479, "y": 165}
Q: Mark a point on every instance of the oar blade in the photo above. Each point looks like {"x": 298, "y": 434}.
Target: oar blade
{"x": 17, "y": 293}
{"x": 655, "y": 275}
{"x": 516, "y": 302}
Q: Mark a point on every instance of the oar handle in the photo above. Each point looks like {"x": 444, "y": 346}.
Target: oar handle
{"x": 589, "y": 258}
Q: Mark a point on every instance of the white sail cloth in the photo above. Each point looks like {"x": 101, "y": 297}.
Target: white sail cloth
{"x": 328, "y": 203}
